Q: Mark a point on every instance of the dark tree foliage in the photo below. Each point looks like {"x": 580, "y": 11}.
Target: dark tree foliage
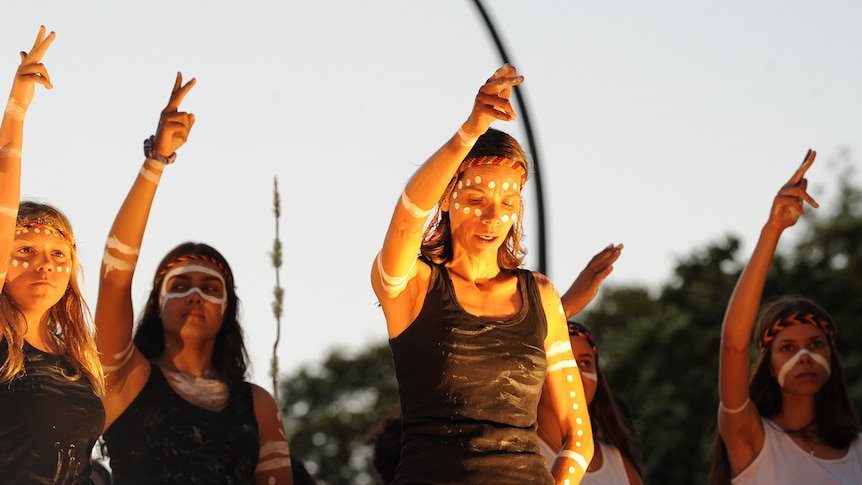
{"x": 329, "y": 410}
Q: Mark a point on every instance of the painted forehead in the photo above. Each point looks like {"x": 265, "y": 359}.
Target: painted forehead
{"x": 194, "y": 267}
{"x": 492, "y": 177}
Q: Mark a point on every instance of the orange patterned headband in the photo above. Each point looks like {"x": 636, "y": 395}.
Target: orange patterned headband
{"x": 493, "y": 160}
{"x": 191, "y": 257}
{"x": 796, "y": 319}
{"x": 47, "y": 229}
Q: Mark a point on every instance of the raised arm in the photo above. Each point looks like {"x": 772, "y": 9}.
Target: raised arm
{"x": 739, "y": 421}
{"x": 564, "y": 392}
{"x": 114, "y": 316}
{"x": 30, "y": 72}
{"x": 394, "y": 268}
{"x": 586, "y": 285}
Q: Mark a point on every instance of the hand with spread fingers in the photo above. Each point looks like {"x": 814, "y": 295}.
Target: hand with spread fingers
{"x": 174, "y": 125}
{"x": 586, "y": 285}
{"x": 31, "y": 71}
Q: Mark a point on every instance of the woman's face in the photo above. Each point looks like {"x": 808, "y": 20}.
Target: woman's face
{"x": 39, "y": 270}
{"x": 800, "y": 359}
{"x": 586, "y": 365}
{"x": 192, "y": 300}
{"x": 483, "y": 207}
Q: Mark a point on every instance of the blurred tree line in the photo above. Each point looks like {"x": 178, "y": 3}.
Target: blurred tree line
{"x": 659, "y": 350}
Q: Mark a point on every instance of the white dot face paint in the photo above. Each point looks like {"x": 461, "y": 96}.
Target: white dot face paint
{"x": 570, "y": 378}
{"x": 466, "y": 183}
{"x": 505, "y": 218}
{"x": 477, "y": 213}
{"x": 25, "y": 265}
{"x": 791, "y": 362}
{"x": 460, "y": 185}
{"x": 14, "y": 263}
{"x": 454, "y": 195}
{"x": 466, "y": 210}
{"x": 478, "y": 180}
{"x": 505, "y": 185}
{"x": 457, "y": 206}
{"x": 492, "y": 184}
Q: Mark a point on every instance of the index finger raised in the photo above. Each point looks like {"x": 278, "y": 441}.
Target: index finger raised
{"x": 178, "y": 94}
{"x": 806, "y": 164}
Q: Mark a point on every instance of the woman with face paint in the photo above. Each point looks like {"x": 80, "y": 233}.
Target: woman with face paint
{"x": 50, "y": 375}
{"x": 616, "y": 460}
{"x": 791, "y": 420}
{"x": 178, "y": 407}
{"x": 475, "y": 338}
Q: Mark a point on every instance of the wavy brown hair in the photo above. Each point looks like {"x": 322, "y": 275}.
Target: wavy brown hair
{"x": 437, "y": 240}
{"x": 69, "y": 320}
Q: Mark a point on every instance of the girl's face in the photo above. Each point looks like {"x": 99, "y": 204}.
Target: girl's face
{"x": 39, "y": 270}
{"x": 586, "y": 365}
{"x": 192, "y": 300}
{"x": 800, "y": 359}
{"x": 483, "y": 207}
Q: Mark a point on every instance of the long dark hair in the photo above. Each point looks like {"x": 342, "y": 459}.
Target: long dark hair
{"x": 229, "y": 358}
{"x": 836, "y": 421}
{"x": 437, "y": 240}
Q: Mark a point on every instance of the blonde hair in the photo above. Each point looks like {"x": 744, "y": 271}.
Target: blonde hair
{"x": 68, "y": 320}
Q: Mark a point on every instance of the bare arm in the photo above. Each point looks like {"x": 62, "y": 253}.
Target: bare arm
{"x": 738, "y": 420}
{"x": 114, "y": 315}
{"x": 273, "y": 464}
{"x": 29, "y": 73}
{"x": 394, "y": 269}
{"x": 565, "y": 391}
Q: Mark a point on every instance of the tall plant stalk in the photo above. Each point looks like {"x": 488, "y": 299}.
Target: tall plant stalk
{"x": 278, "y": 292}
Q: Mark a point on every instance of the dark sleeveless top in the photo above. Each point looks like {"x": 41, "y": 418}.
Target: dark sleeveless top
{"x": 48, "y": 424}
{"x": 469, "y": 390}
{"x": 163, "y": 439}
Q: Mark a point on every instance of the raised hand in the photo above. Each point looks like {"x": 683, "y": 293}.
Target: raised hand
{"x": 493, "y": 101}
{"x": 586, "y": 285}
{"x": 174, "y": 125}
{"x": 788, "y": 204}
{"x": 31, "y": 71}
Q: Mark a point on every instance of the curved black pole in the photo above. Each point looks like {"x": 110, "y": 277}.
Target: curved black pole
{"x": 525, "y": 117}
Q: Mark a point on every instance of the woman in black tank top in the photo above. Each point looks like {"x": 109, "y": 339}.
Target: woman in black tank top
{"x": 179, "y": 409}
{"x": 50, "y": 413}
{"x": 477, "y": 341}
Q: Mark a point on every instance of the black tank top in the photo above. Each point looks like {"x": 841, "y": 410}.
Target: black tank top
{"x": 48, "y": 423}
{"x": 469, "y": 390}
{"x": 162, "y": 438}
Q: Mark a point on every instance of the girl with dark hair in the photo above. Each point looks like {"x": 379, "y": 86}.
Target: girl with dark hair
{"x": 791, "y": 420}
{"x": 616, "y": 460}
{"x": 178, "y": 407}
{"x": 50, "y": 375}
{"x": 475, "y": 338}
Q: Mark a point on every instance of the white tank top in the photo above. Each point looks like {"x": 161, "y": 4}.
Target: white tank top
{"x": 781, "y": 460}
{"x": 612, "y": 472}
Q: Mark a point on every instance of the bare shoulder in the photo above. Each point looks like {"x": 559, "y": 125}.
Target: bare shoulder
{"x": 262, "y": 398}
{"x": 546, "y": 287}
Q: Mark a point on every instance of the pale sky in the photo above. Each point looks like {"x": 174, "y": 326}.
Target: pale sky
{"x": 661, "y": 125}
